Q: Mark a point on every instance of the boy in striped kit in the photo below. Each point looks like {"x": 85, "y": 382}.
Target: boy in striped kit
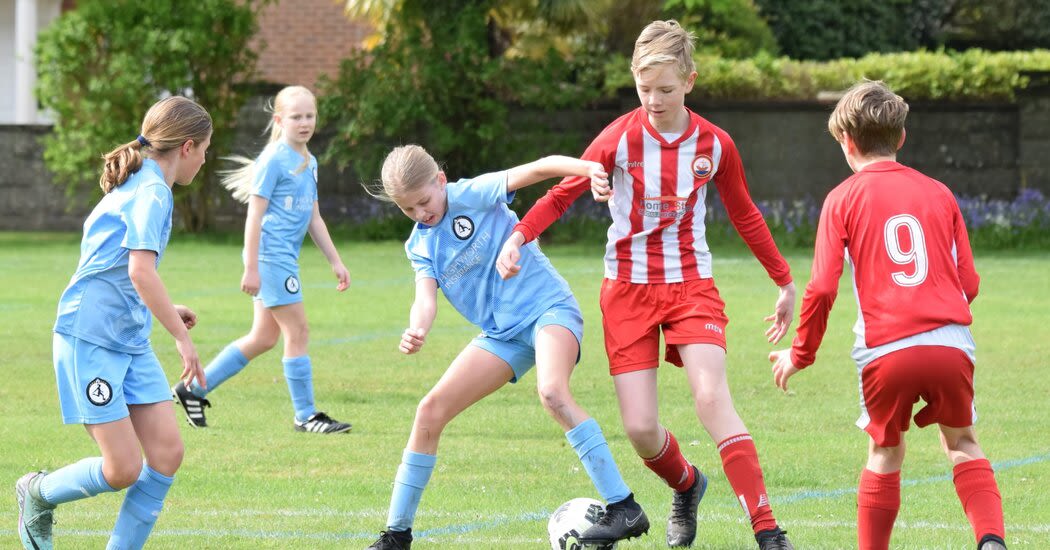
{"x": 658, "y": 277}
{"x": 906, "y": 243}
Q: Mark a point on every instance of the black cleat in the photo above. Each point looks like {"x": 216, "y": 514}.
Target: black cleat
{"x": 321, "y": 423}
{"x": 393, "y": 540}
{"x": 193, "y": 405}
{"x": 773, "y": 539}
{"x": 991, "y": 542}
{"x": 622, "y": 520}
{"x": 681, "y": 525}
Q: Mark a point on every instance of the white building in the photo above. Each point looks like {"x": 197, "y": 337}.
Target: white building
{"x": 20, "y": 23}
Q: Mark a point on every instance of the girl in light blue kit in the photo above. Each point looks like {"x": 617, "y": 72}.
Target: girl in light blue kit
{"x": 280, "y": 187}
{"x": 530, "y": 319}
{"x": 109, "y": 378}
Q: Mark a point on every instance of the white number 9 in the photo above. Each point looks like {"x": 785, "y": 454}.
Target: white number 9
{"x": 917, "y": 254}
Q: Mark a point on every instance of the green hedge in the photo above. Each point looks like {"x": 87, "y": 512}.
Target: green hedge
{"x": 975, "y": 75}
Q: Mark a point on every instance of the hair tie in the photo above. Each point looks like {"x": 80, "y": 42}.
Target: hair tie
{"x": 143, "y": 141}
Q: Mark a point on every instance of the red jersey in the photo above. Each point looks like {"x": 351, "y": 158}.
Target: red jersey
{"x": 907, "y": 246}
{"x": 659, "y": 187}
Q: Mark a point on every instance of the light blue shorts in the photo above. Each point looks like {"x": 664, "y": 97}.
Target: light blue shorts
{"x": 279, "y": 285}
{"x": 520, "y": 352}
{"x": 96, "y": 384}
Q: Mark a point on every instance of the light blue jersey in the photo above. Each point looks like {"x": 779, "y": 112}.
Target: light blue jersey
{"x": 460, "y": 253}
{"x": 100, "y": 305}
{"x": 292, "y": 194}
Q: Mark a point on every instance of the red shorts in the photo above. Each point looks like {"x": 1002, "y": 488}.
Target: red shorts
{"x": 890, "y": 385}
{"x": 633, "y": 315}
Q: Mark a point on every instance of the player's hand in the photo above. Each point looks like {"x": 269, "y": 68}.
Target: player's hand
{"x": 782, "y": 368}
{"x": 191, "y": 362}
{"x": 510, "y": 255}
{"x": 412, "y": 340}
{"x": 782, "y": 315}
{"x": 343, "y": 274}
{"x": 250, "y": 281}
{"x": 189, "y": 318}
{"x": 600, "y": 188}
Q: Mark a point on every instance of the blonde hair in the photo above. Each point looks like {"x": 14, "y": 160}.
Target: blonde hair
{"x": 239, "y": 180}
{"x": 661, "y": 43}
{"x": 405, "y": 169}
{"x": 167, "y": 125}
{"x": 872, "y": 116}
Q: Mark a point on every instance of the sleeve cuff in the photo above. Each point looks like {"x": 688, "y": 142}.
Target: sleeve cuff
{"x": 525, "y": 230}
{"x": 798, "y": 362}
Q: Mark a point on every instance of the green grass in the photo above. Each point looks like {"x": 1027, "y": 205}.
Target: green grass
{"x": 250, "y": 481}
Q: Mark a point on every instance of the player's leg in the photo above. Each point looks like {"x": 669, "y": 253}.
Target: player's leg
{"x": 298, "y": 371}
{"x": 557, "y": 346}
{"x": 474, "y": 374}
{"x": 90, "y": 383}
{"x": 975, "y": 485}
{"x": 228, "y": 363}
{"x": 948, "y": 392}
{"x": 162, "y": 445}
{"x": 879, "y": 495}
{"x": 705, "y": 366}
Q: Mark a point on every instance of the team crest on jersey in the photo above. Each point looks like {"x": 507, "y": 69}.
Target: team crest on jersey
{"x": 291, "y": 284}
{"x": 99, "y": 392}
{"x": 463, "y": 227}
{"x": 702, "y": 166}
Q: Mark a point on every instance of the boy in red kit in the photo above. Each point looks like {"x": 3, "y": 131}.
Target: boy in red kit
{"x": 906, "y": 244}
{"x": 662, "y": 158}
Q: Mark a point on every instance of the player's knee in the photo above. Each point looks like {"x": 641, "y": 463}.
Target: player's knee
{"x": 432, "y": 413}
{"x": 642, "y": 432}
{"x": 298, "y": 335}
{"x": 121, "y": 474}
{"x": 172, "y": 456}
{"x": 554, "y": 396}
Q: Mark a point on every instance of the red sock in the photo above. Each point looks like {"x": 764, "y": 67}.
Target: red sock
{"x": 740, "y": 463}
{"x": 670, "y": 465}
{"x": 878, "y": 500}
{"x": 975, "y": 485}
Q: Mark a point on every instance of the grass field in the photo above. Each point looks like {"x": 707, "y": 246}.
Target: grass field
{"x": 250, "y": 481}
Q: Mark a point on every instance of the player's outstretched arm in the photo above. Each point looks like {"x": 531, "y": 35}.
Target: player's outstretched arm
{"x": 319, "y": 233}
{"x": 142, "y": 269}
{"x": 555, "y": 166}
{"x": 421, "y": 317}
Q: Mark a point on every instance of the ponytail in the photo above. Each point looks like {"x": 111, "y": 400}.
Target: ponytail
{"x": 120, "y": 164}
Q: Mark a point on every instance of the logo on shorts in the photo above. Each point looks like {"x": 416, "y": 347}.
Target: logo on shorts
{"x": 714, "y": 328}
{"x": 99, "y": 392}
{"x": 291, "y": 284}
{"x": 702, "y": 166}
{"x": 463, "y": 227}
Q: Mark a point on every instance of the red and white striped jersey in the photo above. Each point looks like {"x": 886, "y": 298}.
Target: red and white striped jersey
{"x": 912, "y": 265}
{"x": 659, "y": 187}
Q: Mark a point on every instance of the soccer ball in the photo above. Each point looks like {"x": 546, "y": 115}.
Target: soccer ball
{"x": 571, "y": 519}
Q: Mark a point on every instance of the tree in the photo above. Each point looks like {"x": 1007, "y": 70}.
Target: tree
{"x": 102, "y": 65}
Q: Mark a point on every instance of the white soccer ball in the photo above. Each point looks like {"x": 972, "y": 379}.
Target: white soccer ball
{"x": 571, "y": 519}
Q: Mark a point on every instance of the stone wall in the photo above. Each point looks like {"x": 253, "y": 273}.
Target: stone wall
{"x": 976, "y": 149}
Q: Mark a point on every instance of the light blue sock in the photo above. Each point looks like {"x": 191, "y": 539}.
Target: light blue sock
{"x": 298, "y": 373}
{"x": 78, "y": 480}
{"x": 138, "y": 514}
{"x": 226, "y": 364}
{"x": 589, "y": 443}
{"x": 412, "y": 477}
